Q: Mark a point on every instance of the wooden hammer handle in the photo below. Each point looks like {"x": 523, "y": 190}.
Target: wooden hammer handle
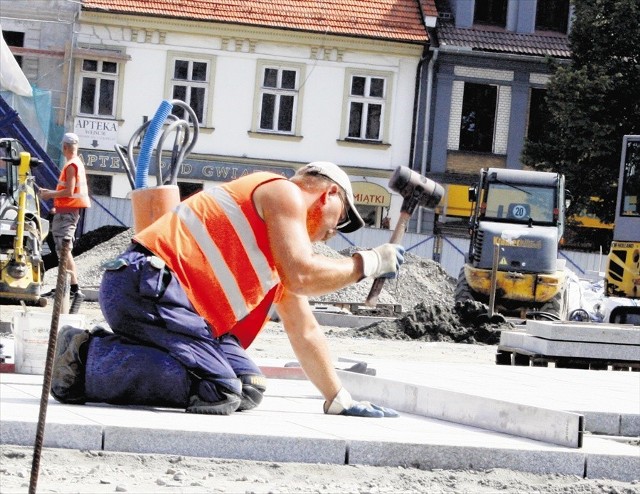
{"x": 396, "y": 238}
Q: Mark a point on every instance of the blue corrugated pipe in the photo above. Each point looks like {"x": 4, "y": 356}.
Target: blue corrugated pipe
{"x": 148, "y": 143}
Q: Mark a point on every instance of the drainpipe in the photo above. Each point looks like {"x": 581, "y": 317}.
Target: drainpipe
{"x": 427, "y": 125}
{"x": 427, "y": 120}
{"x": 416, "y": 105}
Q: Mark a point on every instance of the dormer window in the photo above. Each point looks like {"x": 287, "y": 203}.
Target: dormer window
{"x": 491, "y": 12}
{"x": 552, "y": 15}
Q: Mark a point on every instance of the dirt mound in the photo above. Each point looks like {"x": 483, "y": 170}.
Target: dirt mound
{"x": 459, "y": 323}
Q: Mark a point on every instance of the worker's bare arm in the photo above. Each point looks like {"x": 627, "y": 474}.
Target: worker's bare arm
{"x": 70, "y": 185}
{"x": 308, "y": 343}
{"x": 284, "y": 208}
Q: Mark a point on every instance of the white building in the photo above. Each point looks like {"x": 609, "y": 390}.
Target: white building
{"x": 274, "y": 85}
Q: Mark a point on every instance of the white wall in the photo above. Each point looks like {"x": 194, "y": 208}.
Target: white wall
{"x": 235, "y": 81}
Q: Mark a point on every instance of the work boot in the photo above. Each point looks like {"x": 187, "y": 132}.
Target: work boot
{"x": 253, "y": 388}
{"x": 226, "y": 406}
{"x": 67, "y": 379}
{"x": 76, "y": 301}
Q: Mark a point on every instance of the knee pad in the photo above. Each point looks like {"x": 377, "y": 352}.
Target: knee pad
{"x": 253, "y": 388}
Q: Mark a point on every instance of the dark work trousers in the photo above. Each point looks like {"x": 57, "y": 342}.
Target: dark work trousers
{"x": 160, "y": 346}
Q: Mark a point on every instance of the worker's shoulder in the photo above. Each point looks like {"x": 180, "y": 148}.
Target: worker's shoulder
{"x": 277, "y": 191}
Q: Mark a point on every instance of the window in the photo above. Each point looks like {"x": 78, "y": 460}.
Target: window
{"x": 98, "y": 85}
{"x": 552, "y": 15}
{"x": 99, "y": 185}
{"x": 366, "y": 107}
{"x": 537, "y": 115}
{"x": 189, "y": 83}
{"x": 630, "y": 204}
{"x": 188, "y": 188}
{"x": 14, "y": 38}
{"x": 492, "y": 12}
{"x": 278, "y": 99}
{"x": 478, "y": 117}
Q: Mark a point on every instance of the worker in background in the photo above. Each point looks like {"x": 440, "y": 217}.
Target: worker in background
{"x": 71, "y": 195}
{"x": 196, "y": 287}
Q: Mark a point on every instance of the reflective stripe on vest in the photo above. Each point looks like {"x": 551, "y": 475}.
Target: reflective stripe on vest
{"x": 216, "y": 244}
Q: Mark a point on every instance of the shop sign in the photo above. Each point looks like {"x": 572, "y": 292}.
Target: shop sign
{"x": 95, "y": 133}
{"x": 190, "y": 169}
{"x": 370, "y": 194}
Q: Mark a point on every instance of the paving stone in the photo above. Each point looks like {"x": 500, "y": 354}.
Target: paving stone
{"x": 429, "y": 456}
{"x": 576, "y": 349}
{"x": 619, "y": 334}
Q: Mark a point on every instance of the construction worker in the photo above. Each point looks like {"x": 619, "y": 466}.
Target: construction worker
{"x": 71, "y": 195}
{"x": 196, "y": 287}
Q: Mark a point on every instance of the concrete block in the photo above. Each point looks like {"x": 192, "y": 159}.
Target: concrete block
{"x": 612, "y": 460}
{"x": 602, "y": 423}
{"x": 575, "y": 349}
{"x": 430, "y": 456}
{"x": 630, "y": 424}
{"x": 542, "y": 424}
{"x": 346, "y": 320}
{"x": 56, "y": 435}
{"x": 619, "y": 334}
{"x": 228, "y": 444}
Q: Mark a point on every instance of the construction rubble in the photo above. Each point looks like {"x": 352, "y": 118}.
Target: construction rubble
{"x": 422, "y": 291}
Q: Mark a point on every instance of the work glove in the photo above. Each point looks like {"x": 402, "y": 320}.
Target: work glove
{"x": 343, "y": 404}
{"x": 383, "y": 261}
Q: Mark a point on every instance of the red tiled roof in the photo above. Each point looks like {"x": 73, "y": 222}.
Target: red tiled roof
{"x": 397, "y": 20}
{"x": 500, "y": 41}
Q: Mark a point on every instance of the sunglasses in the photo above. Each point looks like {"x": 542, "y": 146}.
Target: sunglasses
{"x": 344, "y": 218}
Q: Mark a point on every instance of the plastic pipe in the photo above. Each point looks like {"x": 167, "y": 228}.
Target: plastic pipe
{"x": 148, "y": 143}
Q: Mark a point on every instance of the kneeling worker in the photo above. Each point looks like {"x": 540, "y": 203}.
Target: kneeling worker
{"x": 195, "y": 288}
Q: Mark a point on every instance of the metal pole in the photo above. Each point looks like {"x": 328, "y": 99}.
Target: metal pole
{"x": 51, "y": 349}
{"x": 494, "y": 277}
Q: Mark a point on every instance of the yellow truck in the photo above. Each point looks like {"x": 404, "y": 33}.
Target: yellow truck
{"x": 516, "y": 225}
{"x": 622, "y": 277}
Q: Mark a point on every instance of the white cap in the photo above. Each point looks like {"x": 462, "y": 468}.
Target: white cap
{"x": 335, "y": 174}
{"x": 70, "y": 138}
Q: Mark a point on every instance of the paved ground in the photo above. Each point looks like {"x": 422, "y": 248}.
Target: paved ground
{"x": 289, "y": 425}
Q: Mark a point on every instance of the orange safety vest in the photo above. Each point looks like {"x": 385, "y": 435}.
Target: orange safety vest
{"x": 80, "y": 196}
{"x": 216, "y": 245}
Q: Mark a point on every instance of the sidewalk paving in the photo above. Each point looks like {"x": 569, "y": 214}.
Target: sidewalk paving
{"x": 289, "y": 425}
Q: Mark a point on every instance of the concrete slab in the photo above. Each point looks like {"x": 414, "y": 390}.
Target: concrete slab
{"x": 542, "y": 424}
{"x": 609, "y": 401}
{"x": 575, "y": 349}
{"x": 619, "y": 334}
{"x": 290, "y": 426}
{"x": 340, "y": 320}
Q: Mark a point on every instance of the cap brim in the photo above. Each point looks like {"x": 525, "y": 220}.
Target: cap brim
{"x": 355, "y": 220}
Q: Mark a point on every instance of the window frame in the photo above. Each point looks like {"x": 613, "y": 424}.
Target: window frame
{"x": 384, "y": 101}
{"x": 297, "y": 93}
{"x": 466, "y": 104}
{"x": 207, "y": 85}
{"x": 117, "y": 78}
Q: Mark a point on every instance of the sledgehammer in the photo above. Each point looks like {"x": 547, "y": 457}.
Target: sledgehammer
{"x": 416, "y": 190}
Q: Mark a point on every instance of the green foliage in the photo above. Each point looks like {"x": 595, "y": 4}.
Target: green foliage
{"x": 592, "y": 102}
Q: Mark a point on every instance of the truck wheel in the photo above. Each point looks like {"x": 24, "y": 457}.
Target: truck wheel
{"x": 557, "y": 306}
{"x": 463, "y": 293}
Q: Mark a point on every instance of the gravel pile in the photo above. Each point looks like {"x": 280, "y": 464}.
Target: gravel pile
{"x": 422, "y": 288}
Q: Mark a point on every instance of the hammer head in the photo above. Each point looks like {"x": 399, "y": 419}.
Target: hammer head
{"x": 417, "y": 190}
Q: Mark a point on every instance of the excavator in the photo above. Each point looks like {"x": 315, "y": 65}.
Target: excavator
{"x": 22, "y": 229}
{"x": 622, "y": 276}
